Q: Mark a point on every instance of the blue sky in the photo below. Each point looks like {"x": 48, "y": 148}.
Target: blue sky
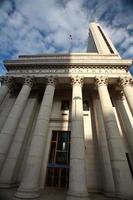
{"x": 44, "y": 26}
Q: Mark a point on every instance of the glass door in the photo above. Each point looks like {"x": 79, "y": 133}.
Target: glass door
{"x": 58, "y": 166}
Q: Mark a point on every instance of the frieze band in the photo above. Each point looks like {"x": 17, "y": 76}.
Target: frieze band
{"x": 89, "y": 70}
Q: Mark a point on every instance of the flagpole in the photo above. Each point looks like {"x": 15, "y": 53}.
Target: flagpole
{"x": 70, "y": 47}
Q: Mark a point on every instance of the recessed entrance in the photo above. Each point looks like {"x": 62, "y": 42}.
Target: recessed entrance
{"x": 58, "y": 166}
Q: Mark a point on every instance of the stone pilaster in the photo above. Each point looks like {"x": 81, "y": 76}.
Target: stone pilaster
{"x": 77, "y": 175}
{"x": 127, "y": 85}
{"x": 119, "y": 162}
{"x": 30, "y": 186}
{"x": 4, "y": 89}
{"x": 108, "y": 180}
{"x": 11, "y": 123}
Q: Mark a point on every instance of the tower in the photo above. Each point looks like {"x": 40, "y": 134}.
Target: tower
{"x": 99, "y": 42}
{"x": 66, "y": 121}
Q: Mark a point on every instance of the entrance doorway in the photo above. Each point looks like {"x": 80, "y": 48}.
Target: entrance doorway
{"x": 58, "y": 165}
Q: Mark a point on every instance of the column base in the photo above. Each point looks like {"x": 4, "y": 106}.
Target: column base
{"x": 77, "y": 196}
{"x": 27, "y": 195}
{"x": 109, "y": 194}
{"x": 123, "y": 197}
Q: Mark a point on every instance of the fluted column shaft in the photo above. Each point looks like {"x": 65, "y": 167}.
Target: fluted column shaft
{"x": 128, "y": 129}
{"x": 119, "y": 162}
{"x": 30, "y": 185}
{"x": 11, "y": 123}
{"x": 77, "y": 178}
{"x": 126, "y": 84}
{"x": 5, "y": 88}
{"x": 5, "y": 110}
{"x": 8, "y": 175}
{"x": 108, "y": 182}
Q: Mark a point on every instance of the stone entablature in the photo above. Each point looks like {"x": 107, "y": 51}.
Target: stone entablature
{"x": 66, "y": 60}
{"x": 66, "y": 71}
{"x": 68, "y": 57}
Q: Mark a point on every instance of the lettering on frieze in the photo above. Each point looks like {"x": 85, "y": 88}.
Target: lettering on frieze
{"x": 72, "y": 70}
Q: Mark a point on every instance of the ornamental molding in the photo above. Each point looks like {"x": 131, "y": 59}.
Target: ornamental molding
{"x": 85, "y": 69}
{"x": 72, "y": 58}
{"x": 66, "y": 66}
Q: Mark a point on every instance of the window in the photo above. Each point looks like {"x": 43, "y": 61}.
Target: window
{"x": 59, "y": 153}
{"x": 85, "y": 105}
{"x": 58, "y": 166}
{"x": 65, "y": 105}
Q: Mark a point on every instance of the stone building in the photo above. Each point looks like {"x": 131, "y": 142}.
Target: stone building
{"x": 66, "y": 121}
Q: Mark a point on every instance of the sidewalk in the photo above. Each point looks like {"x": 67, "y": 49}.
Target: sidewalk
{"x": 48, "y": 194}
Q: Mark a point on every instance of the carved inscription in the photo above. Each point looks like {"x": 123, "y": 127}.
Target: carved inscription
{"x": 74, "y": 70}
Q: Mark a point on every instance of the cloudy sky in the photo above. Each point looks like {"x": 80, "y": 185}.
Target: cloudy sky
{"x": 44, "y": 26}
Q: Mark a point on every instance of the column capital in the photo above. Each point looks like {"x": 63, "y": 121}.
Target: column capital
{"x": 1, "y": 78}
{"x": 51, "y": 80}
{"x": 119, "y": 95}
{"x": 125, "y": 81}
{"x": 29, "y": 81}
{"x": 9, "y": 82}
{"x": 101, "y": 80}
{"x": 77, "y": 81}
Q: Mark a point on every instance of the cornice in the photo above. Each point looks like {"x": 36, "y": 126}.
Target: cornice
{"x": 66, "y": 55}
{"x": 66, "y": 60}
{"x": 66, "y": 67}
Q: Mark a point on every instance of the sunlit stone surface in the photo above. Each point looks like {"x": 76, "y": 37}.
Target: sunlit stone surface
{"x": 66, "y": 123}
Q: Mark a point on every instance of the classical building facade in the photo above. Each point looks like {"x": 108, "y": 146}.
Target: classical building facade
{"x": 66, "y": 121}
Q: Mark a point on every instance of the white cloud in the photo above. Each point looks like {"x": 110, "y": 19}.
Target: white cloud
{"x": 129, "y": 52}
{"x": 44, "y": 26}
{"x": 127, "y": 42}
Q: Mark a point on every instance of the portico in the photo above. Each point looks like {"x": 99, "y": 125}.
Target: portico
{"x": 65, "y": 124}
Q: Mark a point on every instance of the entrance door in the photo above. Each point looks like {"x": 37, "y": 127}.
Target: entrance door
{"x": 58, "y": 166}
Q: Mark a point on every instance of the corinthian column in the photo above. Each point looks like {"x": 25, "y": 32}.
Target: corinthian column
{"x": 121, "y": 172}
{"x": 126, "y": 84}
{"x": 126, "y": 124}
{"x": 5, "y": 88}
{"x": 77, "y": 177}
{"x": 8, "y": 175}
{"x": 30, "y": 185}
{"x": 108, "y": 182}
{"x": 11, "y": 123}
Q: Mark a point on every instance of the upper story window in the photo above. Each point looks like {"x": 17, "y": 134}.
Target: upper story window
{"x": 85, "y": 105}
{"x": 65, "y": 105}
